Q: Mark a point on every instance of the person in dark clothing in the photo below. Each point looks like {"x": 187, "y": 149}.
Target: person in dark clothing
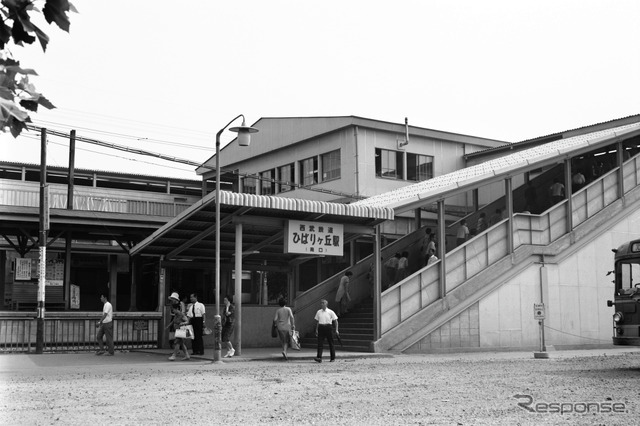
{"x": 531, "y": 198}
{"x": 228, "y": 320}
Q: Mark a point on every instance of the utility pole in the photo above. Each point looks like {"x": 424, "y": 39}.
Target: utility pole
{"x": 42, "y": 241}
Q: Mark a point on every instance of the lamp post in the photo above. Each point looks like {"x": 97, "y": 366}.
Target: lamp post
{"x": 244, "y": 139}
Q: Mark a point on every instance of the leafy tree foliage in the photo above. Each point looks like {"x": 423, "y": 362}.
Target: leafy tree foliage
{"x": 17, "y": 95}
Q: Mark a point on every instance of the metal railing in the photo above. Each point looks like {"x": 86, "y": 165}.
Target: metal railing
{"x": 360, "y": 287}
{"x": 420, "y": 290}
{"x": 108, "y": 204}
{"x": 77, "y": 331}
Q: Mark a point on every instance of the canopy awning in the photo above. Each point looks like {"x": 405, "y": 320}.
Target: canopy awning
{"x": 191, "y": 235}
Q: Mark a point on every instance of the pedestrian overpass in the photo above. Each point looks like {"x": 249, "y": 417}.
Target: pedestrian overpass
{"x": 480, "y": 295}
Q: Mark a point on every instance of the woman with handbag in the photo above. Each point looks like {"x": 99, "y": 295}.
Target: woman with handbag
{"x": 175, "y": 302}
{"x": 285, "y": 323}
{"x": 179, "y": 319}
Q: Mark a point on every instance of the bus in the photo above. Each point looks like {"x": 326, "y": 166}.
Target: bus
{"x": 626, "y": 298}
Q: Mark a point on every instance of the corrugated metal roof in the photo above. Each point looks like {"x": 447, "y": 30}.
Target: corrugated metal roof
{"x": 462, "y": 180}
{"x": 553, "y": 136}
{"x": 191, "y": 234}
{"x": 301, "y": 205}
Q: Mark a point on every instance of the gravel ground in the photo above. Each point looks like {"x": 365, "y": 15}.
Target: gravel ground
{"x": 464, "y": 389}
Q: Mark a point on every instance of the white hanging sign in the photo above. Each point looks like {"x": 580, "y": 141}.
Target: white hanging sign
{"x": 23, "y": 269}
{"x": 319, "y": 238}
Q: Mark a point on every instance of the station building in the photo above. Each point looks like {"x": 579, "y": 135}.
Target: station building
{"x": 386, "y": 183}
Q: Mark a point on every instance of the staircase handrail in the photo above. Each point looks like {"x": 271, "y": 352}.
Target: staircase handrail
{"x": 306, "y": 304}
{"x": 417, "y": 291}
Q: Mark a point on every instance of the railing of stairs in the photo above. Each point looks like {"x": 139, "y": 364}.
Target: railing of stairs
{"x": 420, "y": 289}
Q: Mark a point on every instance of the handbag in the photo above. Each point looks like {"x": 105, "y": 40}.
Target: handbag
{"x": 207, "y": 331}
{"x": 185, "y": 332}
{"x": 294, "y": 340}
{"x": 274, "y": 330}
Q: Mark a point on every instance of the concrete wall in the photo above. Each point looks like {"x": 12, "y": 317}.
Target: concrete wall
{"x": 575, "y": 287}
{"x": 256, "y": 327}
{"x": 577, "y": 290}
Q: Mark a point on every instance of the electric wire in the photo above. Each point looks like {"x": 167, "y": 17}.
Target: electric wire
{"x": 45, "y": 123}
{"x": 125, "y": 158}
{"x": 576, "y": 335}
{"x": 37, "y": 139}
{"x": 197, "y": 164}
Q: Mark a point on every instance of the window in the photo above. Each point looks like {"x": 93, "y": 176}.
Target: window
{"x": 419, "y": 167}
{"x": 309, "y": 171}
{"x": 249, "y": 185}
{"x": 286, "y": 177}
{"x": 389, "y": 164}
{"x": 330, "y": 165}
{"x": 628, "y": 275}
{"x": 267, "y": 182}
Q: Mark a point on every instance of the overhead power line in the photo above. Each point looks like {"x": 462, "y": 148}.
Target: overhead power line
{"x": 192, "y": 163}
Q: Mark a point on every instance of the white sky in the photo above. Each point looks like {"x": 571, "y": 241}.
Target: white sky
{"x": 148, "y": 71}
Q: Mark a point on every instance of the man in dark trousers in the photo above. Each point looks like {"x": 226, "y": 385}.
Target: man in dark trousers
{"x": 196, "y": 315}
{"x": 105, "y": 327}
{"x": 326, "y": 319}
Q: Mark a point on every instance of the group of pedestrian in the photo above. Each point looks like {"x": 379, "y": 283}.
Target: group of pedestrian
{"x": 428, "y": 248}
{"x": 396, "y": 268}
{"x": 194, "y": 316}
{"x": 183, "y": 315}
{"x": 326, "y": 325}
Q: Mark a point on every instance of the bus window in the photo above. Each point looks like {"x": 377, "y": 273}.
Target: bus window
{"x": 629, "y": 276}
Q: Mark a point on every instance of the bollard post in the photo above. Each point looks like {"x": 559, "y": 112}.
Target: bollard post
{"x": 217, "y": 337}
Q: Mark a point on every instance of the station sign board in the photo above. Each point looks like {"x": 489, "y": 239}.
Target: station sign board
{"x": 304, "y": 237}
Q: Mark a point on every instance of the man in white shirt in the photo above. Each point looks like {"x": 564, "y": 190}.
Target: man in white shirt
{"x": 105, "y": 327}
{"x": 196, "y": 313}
{"x": 325, "y": 320}
{"x": 431, "y": 259}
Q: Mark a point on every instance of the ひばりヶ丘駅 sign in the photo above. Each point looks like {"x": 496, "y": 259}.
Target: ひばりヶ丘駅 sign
{"x": 314, "y": 238}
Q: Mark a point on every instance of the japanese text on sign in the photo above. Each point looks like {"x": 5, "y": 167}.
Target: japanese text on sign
{"x": 314, "y": 238}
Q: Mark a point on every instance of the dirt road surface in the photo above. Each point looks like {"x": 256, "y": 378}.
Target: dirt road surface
{"x": 572, "y": 387}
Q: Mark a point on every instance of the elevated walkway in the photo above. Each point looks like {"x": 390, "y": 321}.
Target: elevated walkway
{"x": 413, "y": 309}
{"x": 432, "y": 296}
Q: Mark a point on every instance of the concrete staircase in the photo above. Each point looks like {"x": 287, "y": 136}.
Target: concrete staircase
{"x": 356, "y": 330}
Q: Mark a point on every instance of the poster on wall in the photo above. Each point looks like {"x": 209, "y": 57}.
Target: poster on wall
{"x": 74, "y": 294}
{"x": 314, "y": 238}
{"x": 23, "y": 270}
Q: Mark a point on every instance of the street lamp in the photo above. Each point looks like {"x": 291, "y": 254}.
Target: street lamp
{"x": 244, "y": 139}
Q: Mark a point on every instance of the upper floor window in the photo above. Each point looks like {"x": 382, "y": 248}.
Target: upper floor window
{"x": 389, "y": 164}
{"x": 249, "y": 185}
{"x": 309, "y": 171}
{"x": 286, "y": 177}
{"x": 267, "y": 182}
{"x": 419, "y": 167}
{"x": 330, "y": 165}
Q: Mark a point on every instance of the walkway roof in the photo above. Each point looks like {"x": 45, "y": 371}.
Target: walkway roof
{"x": 430, "y": 191}
{"x": 191, "y": 235}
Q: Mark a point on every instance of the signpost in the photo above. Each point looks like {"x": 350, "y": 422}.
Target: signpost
{"x": 540, "y": 315}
